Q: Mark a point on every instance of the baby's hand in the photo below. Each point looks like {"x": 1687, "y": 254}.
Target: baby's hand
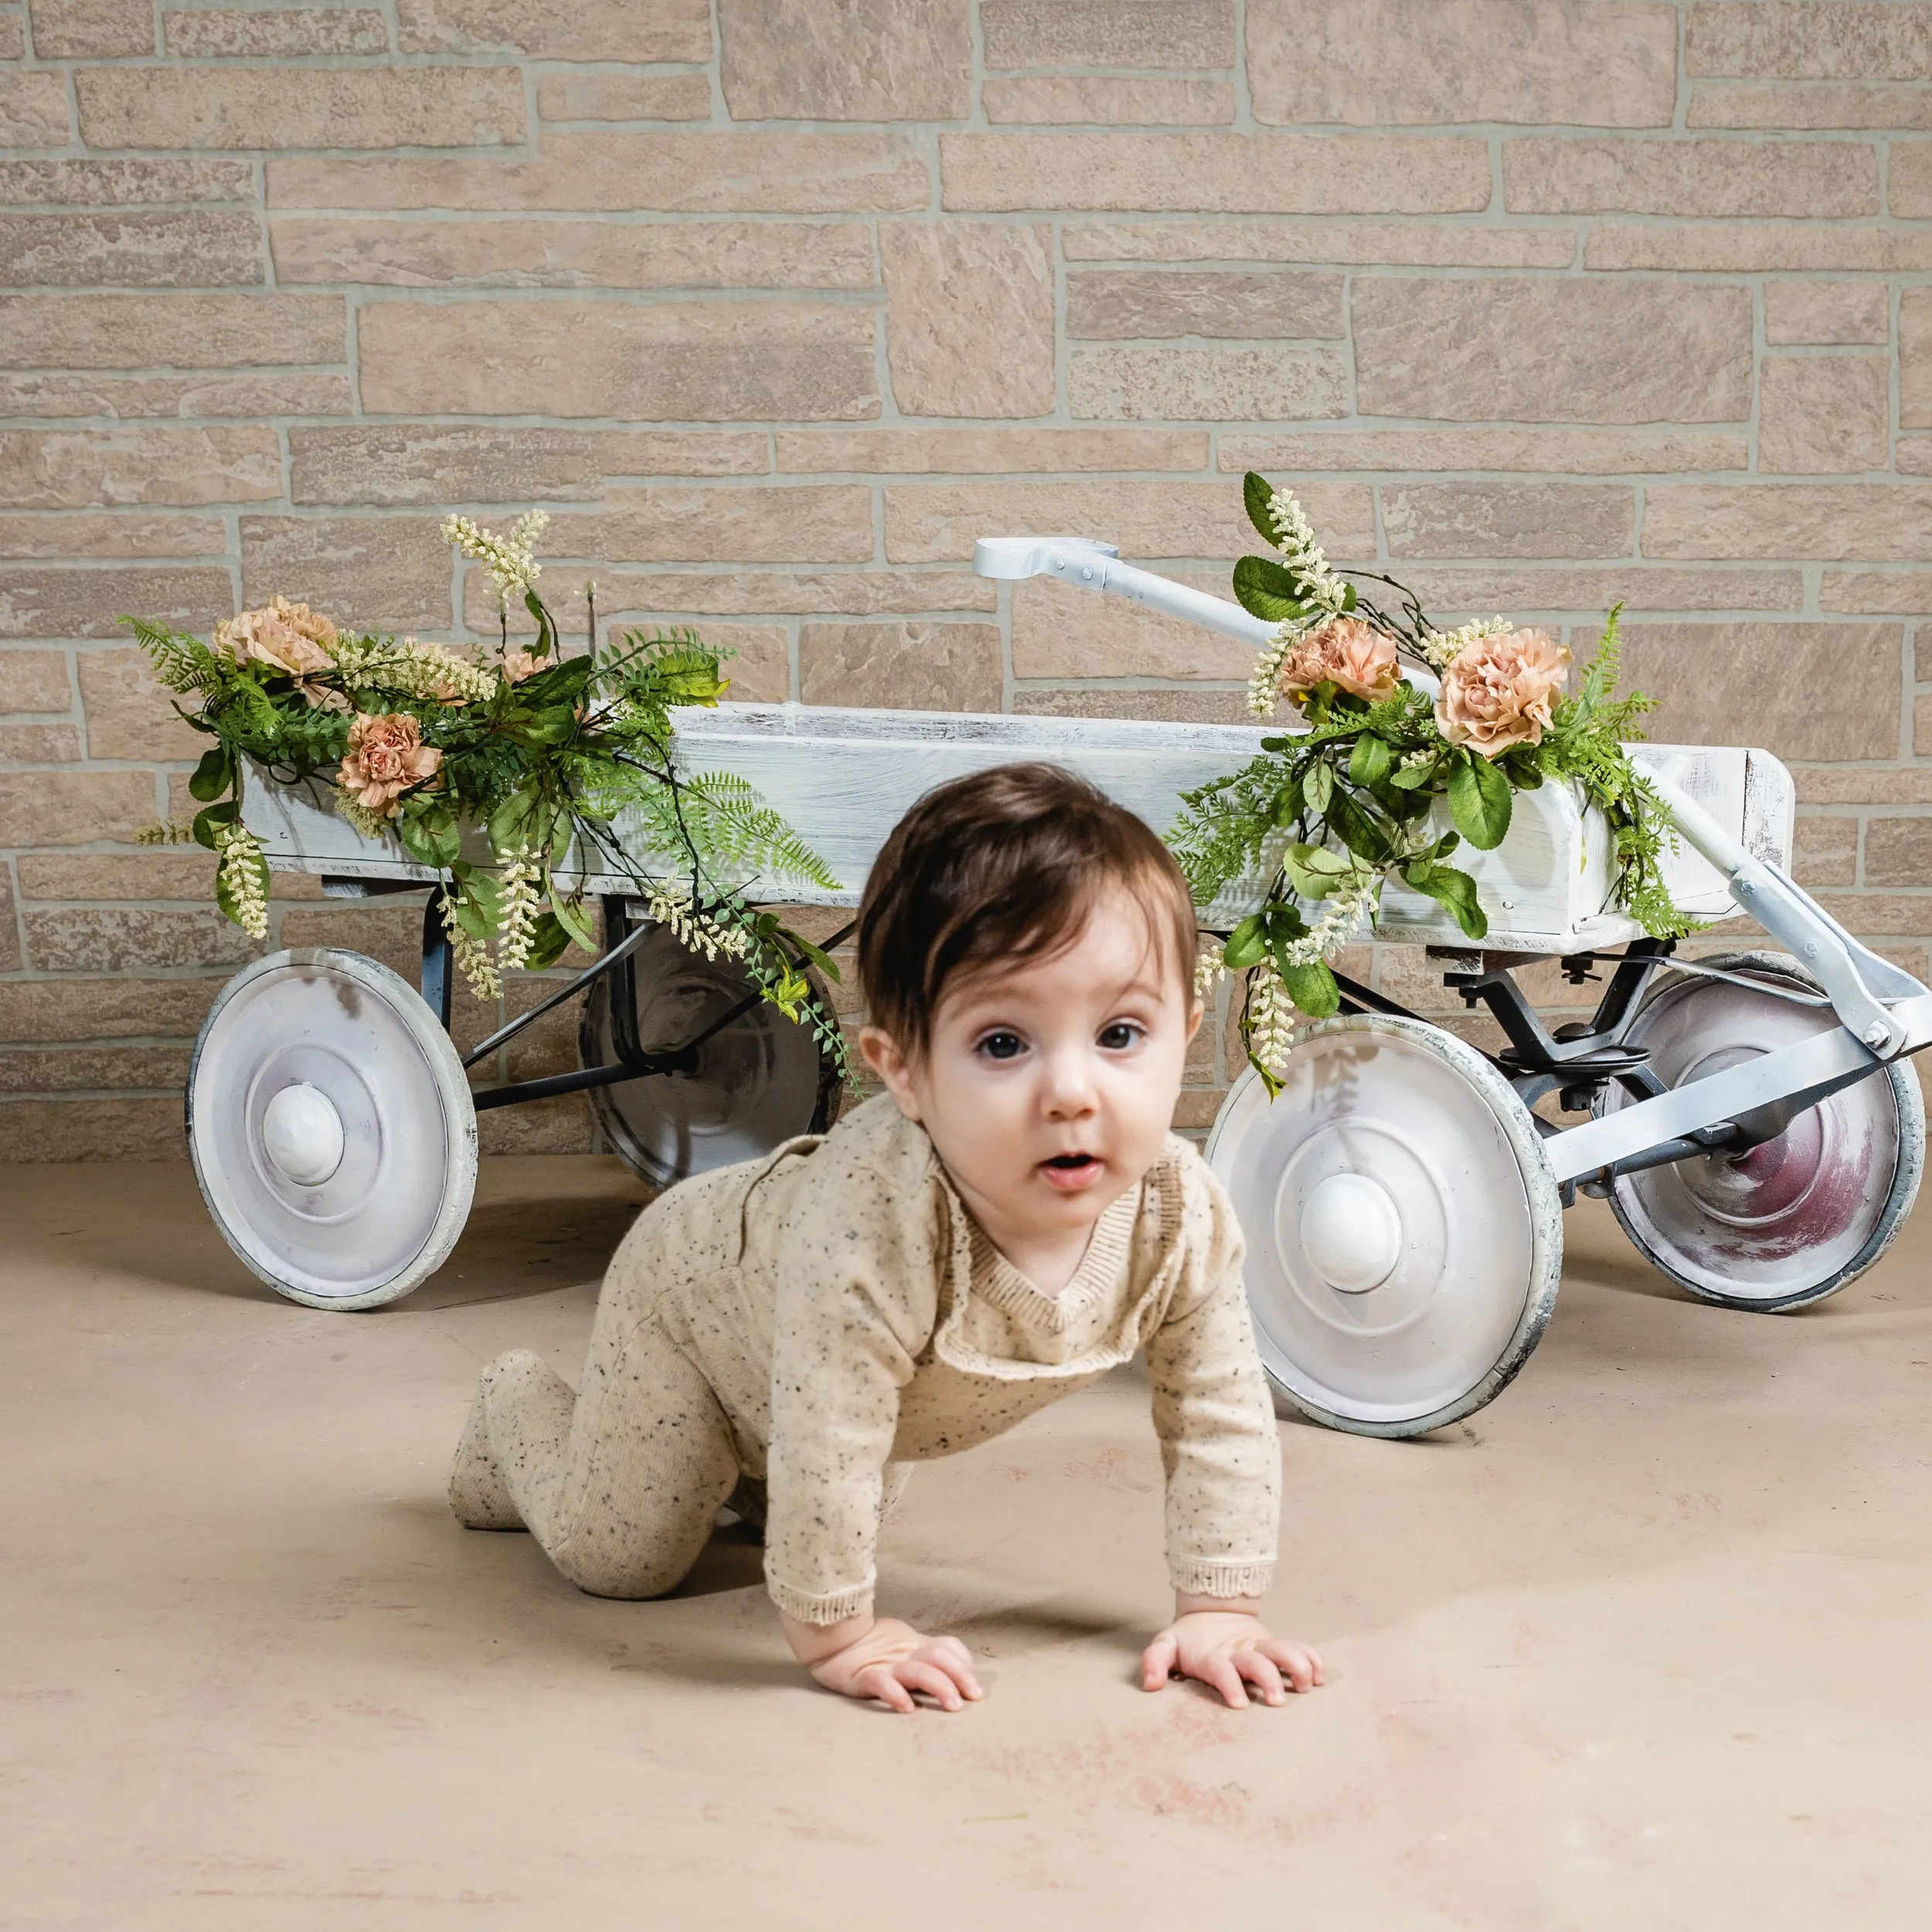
{"x": 1228, "y": 1651}
{"x": 891, "y": 1660}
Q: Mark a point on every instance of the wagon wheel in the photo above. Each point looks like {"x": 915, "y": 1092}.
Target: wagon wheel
{"x": 1793, "y": 1220}
{"x": 760, "y": 1078}
{"x": 330, "y": 1128}
{"x": 1404, "y": 1230}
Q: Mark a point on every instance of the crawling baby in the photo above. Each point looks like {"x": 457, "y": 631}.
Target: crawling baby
{"x": 1008, "y": 1221}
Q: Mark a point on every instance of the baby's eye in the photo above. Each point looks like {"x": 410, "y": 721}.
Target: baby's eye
{"x": 1123, "y": 1033}
{"x": 1001, "y": 1045}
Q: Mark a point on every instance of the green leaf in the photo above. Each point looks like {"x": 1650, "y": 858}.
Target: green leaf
{"x": 1265, "y": 590}
{"x": 1452, "y": 888}
{"x": 1414, "y": 777}
{"x": 1247, "y": 944}
{"x": 1288, "y": 807}
{"x": 1312, "y": 988}
{"x": 819, "y": 957}
{"x": 1479, "y": 802}
{"x": 205, "y": 822}
{"x": 513, "y": 823}
{"x": 213, "y": 776}
{"x": 1356, "y": 829}
{"x": 1317, "y": 784}
{"x": 1257, "y": 493}
{"x": 545, "y": 625}
{"x": 550, "y": 940}
{"x": 1372, "y": 760}
{"x": 1313, "y": 871}
{"x": 552, "y": 724}
{"x": 574, "y": 920}
{"x": 224, "y": 883}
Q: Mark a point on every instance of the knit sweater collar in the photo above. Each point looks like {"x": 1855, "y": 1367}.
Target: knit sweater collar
{"x": 994, "y": 1279}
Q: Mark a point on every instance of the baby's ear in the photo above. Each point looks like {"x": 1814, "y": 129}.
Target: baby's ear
{"x": 1194, "y": 1015}
{"x": 883, "y": 1054}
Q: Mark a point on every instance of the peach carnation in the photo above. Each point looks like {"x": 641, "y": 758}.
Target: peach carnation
{"x": 1500, "y": 690}
{"x": 1345, "y": 652}
{"x": 385, "y": 757}
{"x": 288, "y": 637}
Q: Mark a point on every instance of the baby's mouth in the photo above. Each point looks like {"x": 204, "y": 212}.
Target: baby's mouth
{"x": 1070, "y": 1172}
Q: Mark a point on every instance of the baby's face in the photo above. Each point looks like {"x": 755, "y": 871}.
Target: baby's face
{"x": 1048, "y": 1090}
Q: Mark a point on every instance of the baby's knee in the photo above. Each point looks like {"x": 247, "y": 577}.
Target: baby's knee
{"x": 604, "y": 1569}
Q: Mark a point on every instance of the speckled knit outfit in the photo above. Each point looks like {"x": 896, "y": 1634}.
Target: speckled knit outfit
{"x": 812, "y": 1318}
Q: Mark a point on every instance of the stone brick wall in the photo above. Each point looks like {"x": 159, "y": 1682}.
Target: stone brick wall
{"x": 778, "y": 303}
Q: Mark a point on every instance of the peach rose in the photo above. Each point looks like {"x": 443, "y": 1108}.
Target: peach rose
{"x": 1346, "y": 652}
{"x": 385, "y": 756}
{"x": 520, "y": 665}
{"x": 288, "y": 637}
{"x": 1500, "y": 690}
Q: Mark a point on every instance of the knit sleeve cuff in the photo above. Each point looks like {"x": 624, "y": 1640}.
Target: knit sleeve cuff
{"x": 802, "y": 1607}
{"x": 1221, "y": 1576}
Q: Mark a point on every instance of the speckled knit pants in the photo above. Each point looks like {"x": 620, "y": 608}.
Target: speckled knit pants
{"x": 619, "y": 1483}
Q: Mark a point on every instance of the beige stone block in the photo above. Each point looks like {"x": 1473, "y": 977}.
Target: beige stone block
{"x": 1106, "y": 305}
{"x": 33, "y": 111}
{"x": 1108, "y": 33}
{"x": 1753, "y": 682}
{"x": 562, "y": 1124}
{"x": 116, "y": 1130}
{"x": 416, "y": 253}
{"x": 62, "y": 1010}
{"x": 1341, "y": 243}
{"x": 969, "y": 318}
{"x": 434, "y": 464}
{"x": 73, "y": 808}
{"x": 373, "y": 572}
{"x": 1824, "y": 851}
{"x": 1824, "y": 414}
{"x": 1912, "y": 455}
{"x": 680, "y": 361}
{"x": 100, "y": 1069}
{"x": 1106, "y": 101}
{"x": 1850, "y": 522}
{"x": 1705, "y": 178}
{"x": 188, "y": 106}
{"x": 76, "y": 469}
{"x": 13, "y": 36}
{"x": 623, "y": 96}
{"x": 1060, "y": 632}
{"x": 1482, "y": 590}
{"x": 156, "y": 871}
{"x": 34, "y": 681}
{"x": 1509, "y": 519}
{"x": 1898, "y": 851}
{"x": 252, "y": 396}
{"x": 190, "y": 247}
{"x": 800, "y": 523}
{"x": 1922, "y": 726}
{"x": 1826, "y": 312}
{"x": 1378, "y": 62}
{"x": 1531, "y": 351}
{"x": 57, "y": 602}
{"x": 909, "y": 666}
{"x": 389, "y": 930}
{"x": 40, "y": 744}
{"x": 846, "y": 59}
{"x": 1199, "y": 704}
{"x": 938, "y": 523}
{"x": 134, "y": 331}
{"x": 1908, "y": 915}
{"x": 104, "y": 535}
{"x": 1831, "y": 40}
{"x": 1214, "y": 173}
{"x": 1898, "y": 785}
{"x": 238, "y": 33}
{"x": 1909, "y": 179}
{"x": 90, "y": 29}
{"x": 129, "y": 711}
{"x": 1877, "y": 593}
{"x": 1915, "y": 358}
{"x": 856, "y": 593}
{"x": 711, "y": 173}
{"x": 10, "y": 954}
{"x": 1207, "y": 385}
{"x": 125, "y": 183}
{"x": 609, "y": 30}
{"x": 1552, "y": 451}
{"x": 1750, "y": 248}
{"x": 1803, "y": 107}
{"x": 986, "y": 452}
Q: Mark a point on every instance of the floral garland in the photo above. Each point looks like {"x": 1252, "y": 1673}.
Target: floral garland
{"x": 1332, "y": 814}
{"x": 539, "y": 751}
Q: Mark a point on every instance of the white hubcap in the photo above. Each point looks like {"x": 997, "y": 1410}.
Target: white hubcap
{"x": 1352, "y": 1231}
{"x": 302, "y": 1133}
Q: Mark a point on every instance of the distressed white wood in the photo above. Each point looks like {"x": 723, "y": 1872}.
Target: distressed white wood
{"x": 845, "y": 777}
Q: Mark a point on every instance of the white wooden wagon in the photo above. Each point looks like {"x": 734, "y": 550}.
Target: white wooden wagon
{"x": 1749, "y": 1117}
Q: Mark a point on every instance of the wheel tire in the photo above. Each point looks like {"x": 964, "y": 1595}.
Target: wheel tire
{"x": 760, "y": 1080}
{"x": 1404, "y": 1229}
{"x": 1794, "y": 1219}
{"x": 330, "y": 1127}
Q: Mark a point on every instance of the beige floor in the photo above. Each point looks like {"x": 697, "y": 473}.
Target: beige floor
{"x": 1645, "y": 1646}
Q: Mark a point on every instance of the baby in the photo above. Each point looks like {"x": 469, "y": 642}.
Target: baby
{"x": 1008, "y": 1221}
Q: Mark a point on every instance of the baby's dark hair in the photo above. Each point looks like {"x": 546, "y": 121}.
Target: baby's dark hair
{"x": 999, "y": 867}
